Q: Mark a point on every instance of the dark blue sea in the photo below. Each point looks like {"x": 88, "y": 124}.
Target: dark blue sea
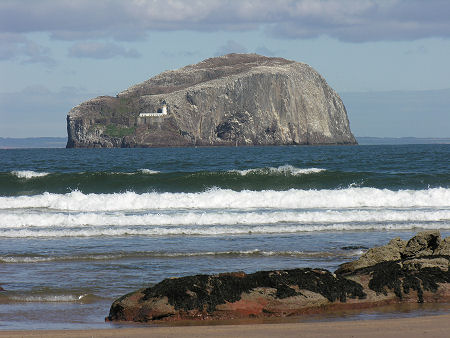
{"x": 81, "y": 227}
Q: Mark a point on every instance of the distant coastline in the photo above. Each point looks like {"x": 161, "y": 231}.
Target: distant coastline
{"x": 401, "y": 140}
{"x": 60, "y": 142}
{"x": 32, "y": 142}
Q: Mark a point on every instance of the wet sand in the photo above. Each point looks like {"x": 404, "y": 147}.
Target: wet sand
{"x": 427, "y": 326}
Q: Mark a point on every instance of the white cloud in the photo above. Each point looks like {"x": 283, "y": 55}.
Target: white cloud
{"x": 184, "y": 53}
{"x": 231, "y": 46}
{"x": 18, "y": 47}
{"x": 100, "y": 50}
{"x": 347, "y": 20}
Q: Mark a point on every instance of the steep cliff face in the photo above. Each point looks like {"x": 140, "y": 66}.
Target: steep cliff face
{"x": 236, "y": 99}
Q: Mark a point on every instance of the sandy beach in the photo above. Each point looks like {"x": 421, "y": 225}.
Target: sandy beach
{"x": 427, "y": 326}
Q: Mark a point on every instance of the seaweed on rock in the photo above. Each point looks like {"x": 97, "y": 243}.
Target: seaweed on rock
{"x": 206, "y": 292}
{"x": 401, "y": 278}
{"x": 392, "y": 271}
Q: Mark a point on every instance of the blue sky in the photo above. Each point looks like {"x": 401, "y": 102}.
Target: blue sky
{"x": 387, "y": 59}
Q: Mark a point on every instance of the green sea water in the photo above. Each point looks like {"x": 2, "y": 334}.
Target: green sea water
{"x": 80, "y": 227}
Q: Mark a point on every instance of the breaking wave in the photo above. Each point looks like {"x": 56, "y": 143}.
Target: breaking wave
{"x": 43, "y": 297}
{"x": 27, "y": 174}
{"x": 281, "y": 170}
{"x": 27, "y": 259}
{"x": 148, "y": 171}
{"x": 217, "y": 212}
{"x": 201, "y": 218}
{"x": 226, "y": 199}
{"x": 214, "y": 230}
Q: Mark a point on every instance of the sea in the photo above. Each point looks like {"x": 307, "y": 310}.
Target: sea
{"x": 82, "y": 227}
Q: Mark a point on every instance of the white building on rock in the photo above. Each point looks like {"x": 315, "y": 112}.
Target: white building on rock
{"x": 160, "y": 112}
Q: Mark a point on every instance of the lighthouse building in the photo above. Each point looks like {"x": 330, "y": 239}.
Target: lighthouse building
{"x": 160, "y": 112}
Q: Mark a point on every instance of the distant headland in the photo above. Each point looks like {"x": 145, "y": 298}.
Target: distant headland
{"x": 236, "y": 99}
{"x": 60, "y": 142}
{"x": 32, "y": 142}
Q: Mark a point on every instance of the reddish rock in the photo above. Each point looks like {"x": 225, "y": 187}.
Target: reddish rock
{"x": 420, "y": 274}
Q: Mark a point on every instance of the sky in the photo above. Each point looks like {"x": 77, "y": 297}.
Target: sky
{"x": 388, "y": 59}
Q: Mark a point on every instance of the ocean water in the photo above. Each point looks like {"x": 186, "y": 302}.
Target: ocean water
{"x": 81, "y": 227}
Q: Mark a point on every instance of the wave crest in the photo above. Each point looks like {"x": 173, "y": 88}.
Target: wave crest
{"x": 148, "y": 171}
{"x": 27, "y": 174}
{"x": 286, "y": 170}
{"x": 230, "y": 199}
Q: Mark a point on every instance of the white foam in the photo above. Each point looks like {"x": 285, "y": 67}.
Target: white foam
{"x": 226, "y": 199}
{"x": 213, "y": 230}
{"x": 208, "y": 253}
{"x": 201, "y": 218}
{"x": 148, "y": 171}
{"x": 21, "y": 259}
{"x": 220, "y": 211}
{"x": 358, "y": 252}
{"x": 283, "y": 170}
{"x": 49, "y": 298}
{"x": 148, "y": 254}
{"x": 27, "y": 174}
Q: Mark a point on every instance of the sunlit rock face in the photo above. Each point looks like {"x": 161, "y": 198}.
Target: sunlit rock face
{"x": 236, "y": 99}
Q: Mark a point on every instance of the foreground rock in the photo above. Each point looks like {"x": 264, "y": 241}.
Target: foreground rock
{"x": 419, "y": 272}
{"x": 235, "y": 295}
{"x": 236, "y": 99}
{"x": 426, "y": 243}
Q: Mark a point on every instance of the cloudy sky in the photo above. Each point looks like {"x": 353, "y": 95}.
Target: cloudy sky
{"x": 388, "y": 59}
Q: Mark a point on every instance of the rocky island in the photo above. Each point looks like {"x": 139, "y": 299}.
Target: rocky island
{"x": 401, "y": 271}
{"x": 236, "y": 99}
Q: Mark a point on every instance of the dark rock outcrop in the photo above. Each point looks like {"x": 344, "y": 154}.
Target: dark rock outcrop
{"x": 236, "y": 99}
{"x": 426, "y": 243}
{"x": 235, "y": 295}
{"x": 401, "y": 272}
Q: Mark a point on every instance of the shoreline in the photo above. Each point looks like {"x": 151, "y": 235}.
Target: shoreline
{"x": 426, "y": 326}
